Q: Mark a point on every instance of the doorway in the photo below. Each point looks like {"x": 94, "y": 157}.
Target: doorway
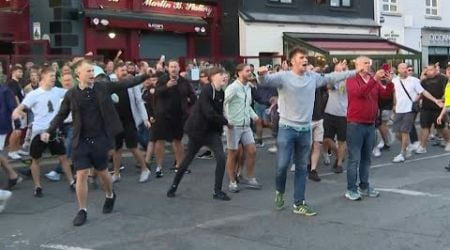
{"x": 6, "y": 48}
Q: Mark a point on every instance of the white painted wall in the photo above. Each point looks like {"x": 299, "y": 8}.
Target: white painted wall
{"x": 268, "y": 37}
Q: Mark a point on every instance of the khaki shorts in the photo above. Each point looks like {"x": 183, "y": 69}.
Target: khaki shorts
{"x": 236, "y": 135}
{"x": 317, "y": 131}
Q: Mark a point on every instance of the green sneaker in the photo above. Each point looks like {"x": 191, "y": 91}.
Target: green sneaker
{"x": 304, "y": 210}
{"x": 279, "y": 201}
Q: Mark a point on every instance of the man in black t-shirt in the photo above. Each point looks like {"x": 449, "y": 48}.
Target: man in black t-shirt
{"x": 15, "y": 137}
{"x": 435, "y": 84}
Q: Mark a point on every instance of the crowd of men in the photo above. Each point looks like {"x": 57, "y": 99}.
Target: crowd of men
{"x": 86, "y": 112}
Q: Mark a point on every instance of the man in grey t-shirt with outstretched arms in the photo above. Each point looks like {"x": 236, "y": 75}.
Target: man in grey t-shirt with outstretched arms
{"x": 296, "y": 90}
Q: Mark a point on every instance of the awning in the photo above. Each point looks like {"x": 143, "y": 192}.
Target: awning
{"x": 339, "y": 44}
{"x": 146, "y": 17}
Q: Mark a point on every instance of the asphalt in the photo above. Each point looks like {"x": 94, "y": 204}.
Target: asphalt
{"x": 411, "y": 213}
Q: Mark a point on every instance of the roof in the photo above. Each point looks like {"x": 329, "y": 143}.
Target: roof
{"x": 326, "y": 42}
{"x": 249, "y": 16}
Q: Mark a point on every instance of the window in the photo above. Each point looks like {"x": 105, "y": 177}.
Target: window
{"x": 341, "y": 3}
{"x": 431, "y": 7}
{"x": 280, "y": 1}
{"x": 390, "y": 6}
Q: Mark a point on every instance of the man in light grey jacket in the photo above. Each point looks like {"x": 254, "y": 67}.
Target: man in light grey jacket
{"x": 132, "y": 113}
{"x": 296, "y": 90}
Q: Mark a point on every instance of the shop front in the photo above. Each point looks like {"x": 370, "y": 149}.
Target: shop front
{"x": 324, "y": 47}
{"x": 436, "y": 45}
{"x": 14, "y": 25}
{"x": 150, "y": 28}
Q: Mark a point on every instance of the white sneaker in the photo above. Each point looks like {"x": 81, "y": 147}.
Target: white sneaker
{"x": 376, "y": 151}
{"x": 4, "y": 197}
{"x": 421, "y": 150}
{"x": 53, "y": 176}
{"x": 233, "y": 187}
{"x": 292, "y": 168}
{"x": 144, "y": 176}
{"x": 414, "y": 146}
{"x": 14, "y": 156}
{"x": 23, "y": 152}
{"x": 115, "y": 178}
{"x": 380, "y": 145}
{"x": 273, "y": 149}
{"x": 399, "y": 158}
{"x": 447, "y": 147}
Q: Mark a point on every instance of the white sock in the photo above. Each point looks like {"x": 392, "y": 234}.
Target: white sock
{"x": 110, "y": 196}
{"x": 158, "y": 168}
{"x": 85, "y": 209}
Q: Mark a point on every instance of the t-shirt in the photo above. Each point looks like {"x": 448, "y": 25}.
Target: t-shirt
{"x": 337, "y": 100}
{"x": 45, "y": 105}
{"x": 412, "y": 85}
{"x": 123, "y": 107}
{"x": 436, "y": 87}
{"x": 14, "y": 86}
{"x": 447, "y": 95}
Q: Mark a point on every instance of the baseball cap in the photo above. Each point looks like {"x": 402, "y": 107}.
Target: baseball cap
{"x": 98, "y": 71}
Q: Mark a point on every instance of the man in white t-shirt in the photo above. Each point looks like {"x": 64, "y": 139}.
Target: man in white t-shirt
{"x": 44, "y": 102}
{"x": 407, "y": 90}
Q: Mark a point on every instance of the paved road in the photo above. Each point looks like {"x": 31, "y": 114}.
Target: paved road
{"x": 412, "y": 212}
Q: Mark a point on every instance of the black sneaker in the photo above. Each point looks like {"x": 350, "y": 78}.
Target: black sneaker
{"x": 207, "y": 155}
{"x": 80, "y": 218}
{"x": 171, "y": 192}
{"x": 13, "y": 182}
{"x": 109, "y": 204}
{"x": 188, "y": 171}
{"x": 447, "y": 168}
{"x": 219, "y": 195}
{"x": 25, "y": 172}
{"x": 159, "y": 174}
{"x": 38, "y": 192}
{"x": 312, "y": 175}
{"x": 337, "y": 169}
{"x": 386, "y": 148}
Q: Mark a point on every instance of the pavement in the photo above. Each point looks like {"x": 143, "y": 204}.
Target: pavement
{"x": 411, "y": 213}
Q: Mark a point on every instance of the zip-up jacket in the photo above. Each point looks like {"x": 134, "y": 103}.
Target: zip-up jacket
{"x": 238, "y": 100}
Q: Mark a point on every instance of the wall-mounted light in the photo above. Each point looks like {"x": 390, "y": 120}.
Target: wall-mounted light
{"x": 96, "y": 21}
{"x": 104, "y": 22}
{"x": 112, "y": 35}
{"x": 197, "y": 29}
{"x": 203, "y": 30}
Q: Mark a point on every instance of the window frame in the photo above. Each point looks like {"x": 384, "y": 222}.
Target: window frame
{"x": 390, "y": 4}
{"x": 280, "y": 2}
{"x": 430, "y": 8}
{"x": 340, "y": 4}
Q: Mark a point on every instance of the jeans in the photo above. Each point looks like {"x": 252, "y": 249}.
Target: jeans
{"x": 292, "y": 144}
{"x": 67, "y": 132}
{"x": 212, "y": 141}
{"x": 360, "y": 142}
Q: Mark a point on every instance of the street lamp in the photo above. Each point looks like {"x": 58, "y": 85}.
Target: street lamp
{"x": 112, "y": 35}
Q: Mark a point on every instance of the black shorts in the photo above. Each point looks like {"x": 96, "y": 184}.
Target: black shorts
{"x": 429, "y": 117}
{"x": 91, "y": 152}
{"x": 335, "y": 126}
{"x": 167, "y": 130}
{"x": 129, "y": 135}
{"x": 38, "y": 147}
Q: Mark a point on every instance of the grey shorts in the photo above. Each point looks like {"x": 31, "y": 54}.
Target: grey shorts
{"x": 386, "y": 115}
{"x": 403, "y": 122}
{"x": 236, "y": 135}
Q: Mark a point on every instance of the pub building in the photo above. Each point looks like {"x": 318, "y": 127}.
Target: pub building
{"x": 140, "y": 28}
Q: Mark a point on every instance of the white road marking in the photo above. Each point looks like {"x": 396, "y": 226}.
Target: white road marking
{"x": 399, "y": 164}
{"x": 406, "y": 192}
{"x": 63, "y": 247}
